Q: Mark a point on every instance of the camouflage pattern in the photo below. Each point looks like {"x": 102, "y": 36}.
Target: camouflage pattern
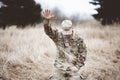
{"x": 70, "y": 48}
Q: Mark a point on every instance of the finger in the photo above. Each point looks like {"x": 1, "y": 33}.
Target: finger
{"x": 46, "y": 11}
{"x": 49, "y": 11}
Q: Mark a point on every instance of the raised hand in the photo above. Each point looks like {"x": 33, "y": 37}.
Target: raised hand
{"x": 47, "y": 14}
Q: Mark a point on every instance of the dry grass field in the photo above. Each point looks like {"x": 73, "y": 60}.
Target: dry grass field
{"x": 28, "y": 54}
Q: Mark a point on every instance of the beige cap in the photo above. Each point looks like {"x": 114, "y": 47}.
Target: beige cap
{"x": 66, "y": 24}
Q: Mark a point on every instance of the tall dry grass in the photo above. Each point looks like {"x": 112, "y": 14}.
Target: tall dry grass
{"x": 28, "y": 54}
{"x": 103, "y": 52}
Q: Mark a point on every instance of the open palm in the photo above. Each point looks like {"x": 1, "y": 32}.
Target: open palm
{"x": 47, "y": 14}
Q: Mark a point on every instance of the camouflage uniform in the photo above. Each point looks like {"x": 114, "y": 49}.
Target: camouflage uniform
{"x": 69, "y": 47}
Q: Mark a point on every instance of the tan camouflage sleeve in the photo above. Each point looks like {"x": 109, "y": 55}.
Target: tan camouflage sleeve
{"x": 61, "y": 65}
{"x": 82, "y": 52}
{"x": 82, "y": 47}
{"x": 63, "y": 61}
{"x": 53, "y": 34}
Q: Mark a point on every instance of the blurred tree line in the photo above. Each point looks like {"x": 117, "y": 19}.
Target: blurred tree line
{"x": 19, "y": 12}
{"x": 109, "y": 12}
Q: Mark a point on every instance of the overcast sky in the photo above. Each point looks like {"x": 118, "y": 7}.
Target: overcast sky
{"x": 70, "y": 7}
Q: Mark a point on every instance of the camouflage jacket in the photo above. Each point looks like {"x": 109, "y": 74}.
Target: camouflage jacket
{"x": 69, "y": 47}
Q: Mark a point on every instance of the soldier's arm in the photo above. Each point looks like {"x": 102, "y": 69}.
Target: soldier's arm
{"x": 64, "y": 61}
{"x": 65, "y": 66}
{"x": 61, "y": 64}
{"x": 53, "y": 34}
{"x": 82, "y": 52}
{"x": 82, "y": 47}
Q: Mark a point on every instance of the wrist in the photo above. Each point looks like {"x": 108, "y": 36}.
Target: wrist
{"x": 46, "y": 21}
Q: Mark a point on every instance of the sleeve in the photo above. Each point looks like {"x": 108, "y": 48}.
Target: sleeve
{"x": 63, "y": 61}
{"x": 61, "y": 65}
{"x": 53, "y": 34}
{"x": 82, "y": 47}
{"x": 82, "y": 52}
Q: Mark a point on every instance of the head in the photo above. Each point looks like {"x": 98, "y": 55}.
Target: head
{"x": 67, "y": 26}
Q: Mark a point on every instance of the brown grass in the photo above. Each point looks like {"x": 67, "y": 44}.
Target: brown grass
{"x": 28, "y": 54}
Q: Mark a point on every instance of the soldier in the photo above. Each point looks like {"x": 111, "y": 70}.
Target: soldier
{"x": 71, "y": 50}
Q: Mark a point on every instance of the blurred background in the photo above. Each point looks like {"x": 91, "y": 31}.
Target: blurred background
{"x": 25, "y": 12}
